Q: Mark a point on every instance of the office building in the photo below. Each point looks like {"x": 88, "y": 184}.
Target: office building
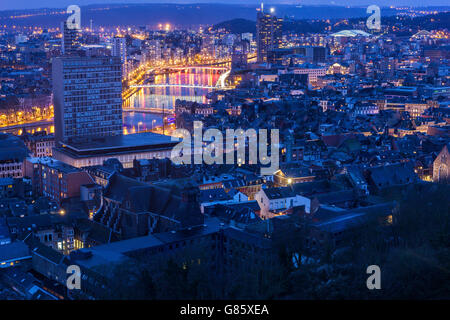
{"x": 87, "y": 96}
{"x": 268, "y": 33}
{"x": 125, "y": 148}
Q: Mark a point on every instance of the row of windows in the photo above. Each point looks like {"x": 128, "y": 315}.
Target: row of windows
{"x": 96, "y": 103}
{"x": 91, "y": 97}
{"x": 45, "y": 144}
{"x": 98, "y": 120}
{"x": 108, "y": 83}
{"x": 111, "y": 79}
{"x": 109, "y": 125}
{"x": 105, "y": 131}
{"x": 77, "y": 90}
{"x": 85, "y": 74}
{"x": 109, "y": 109}
{"x": 11, "y": 174}
{"x": 97, "y": 115}
{"x": 5, "y": 169}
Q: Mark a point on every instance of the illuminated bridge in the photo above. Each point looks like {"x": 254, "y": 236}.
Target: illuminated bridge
{"x": 216, "y": 68}
{"x": 165, "y": 85}
{"x": 149, "y": 110}
{"x": 219, "y": 85}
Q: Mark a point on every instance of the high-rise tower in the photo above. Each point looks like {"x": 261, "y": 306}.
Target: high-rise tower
{"x": 87, "y": 97}
{"x": 268, "y": 33}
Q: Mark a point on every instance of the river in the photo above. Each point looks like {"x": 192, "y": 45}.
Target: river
{"x": 165, "y": 97}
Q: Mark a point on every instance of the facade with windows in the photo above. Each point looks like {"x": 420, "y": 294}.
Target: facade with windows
{"x": 268, "y": 34}
{"x": 12, "y": 153}
{"x": 55, "y": 179}
{"x": 87, "y": 96}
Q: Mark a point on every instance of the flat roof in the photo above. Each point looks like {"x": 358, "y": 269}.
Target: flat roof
{"x": 14, "y": 250}
{"x": 128, "y": 245}
{"x": 53, "y": 164}
{"x": 122, "y": 141}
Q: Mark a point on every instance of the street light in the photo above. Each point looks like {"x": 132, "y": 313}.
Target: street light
{"x": 153, "y": 122}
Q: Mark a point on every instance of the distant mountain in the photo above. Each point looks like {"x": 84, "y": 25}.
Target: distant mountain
{"x": 428, "y": 22}
{"x": 185, "y": 15}
{"x": 237, "y": 26}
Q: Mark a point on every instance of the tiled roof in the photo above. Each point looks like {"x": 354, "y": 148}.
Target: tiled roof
{"x": 279, "y": 193}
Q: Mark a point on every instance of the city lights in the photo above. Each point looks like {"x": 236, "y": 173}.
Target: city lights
{"x": 229, "y": 151}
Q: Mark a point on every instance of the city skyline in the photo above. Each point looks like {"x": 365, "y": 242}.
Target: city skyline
{"x": 24, "y": 4}
{"x": 225, "y": 152}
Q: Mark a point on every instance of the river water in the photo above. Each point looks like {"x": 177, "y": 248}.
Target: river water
{"x": 165, "y": 97}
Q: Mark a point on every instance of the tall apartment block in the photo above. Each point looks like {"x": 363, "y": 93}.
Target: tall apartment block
{"x": 119, "y": 49}
{"x": 154, "y": 48}
{"x": 208, "y": 44}
{"x": 87, "y": 96}
{"x": 268, "y": 34}
{"x": 69, "y": 40}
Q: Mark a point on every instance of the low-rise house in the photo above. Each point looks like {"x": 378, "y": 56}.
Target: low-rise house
{"x": 290, "y": 174}
{"x": 387, "y": 176}
{"x": 274, "y": 201}
{"x": 27, "y": 285}
{"x": 237, "y": 214}
{"x": 55, "y": 179}
{"x": 51, "y": 230}
{"x": 40, "y": 143}
{"x": 332, "y": 227}
{"x": 12, "y": 154}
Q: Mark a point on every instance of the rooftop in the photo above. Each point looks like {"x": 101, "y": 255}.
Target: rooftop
{"x": 350, "y": 33}
{"x": 119, "y": 144}
{"x": 54, "y": 164}
{"x": 123, "y": 141}
{"x": 11, "y": 147}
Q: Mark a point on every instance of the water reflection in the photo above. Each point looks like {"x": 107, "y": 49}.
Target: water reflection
{"x": 165, "y": 97}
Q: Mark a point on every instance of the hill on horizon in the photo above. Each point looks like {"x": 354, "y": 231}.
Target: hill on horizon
{"x": 429, "y": 22}
{"x": 179, "y": 15}
{"x": 237, "y": 26}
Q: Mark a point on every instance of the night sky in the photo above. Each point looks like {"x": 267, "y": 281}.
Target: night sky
{"x": 27, "y": 4}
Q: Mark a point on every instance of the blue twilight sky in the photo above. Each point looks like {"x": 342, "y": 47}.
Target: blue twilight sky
{"x": 33, "y": 4}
